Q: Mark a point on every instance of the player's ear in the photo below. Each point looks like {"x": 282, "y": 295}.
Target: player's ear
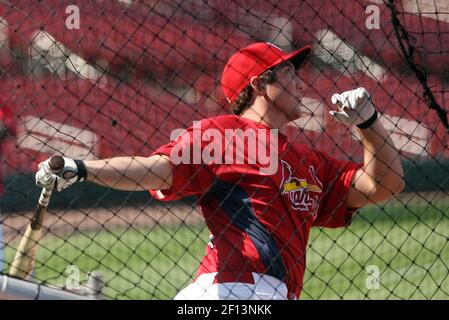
{"x": 258, "y": 86}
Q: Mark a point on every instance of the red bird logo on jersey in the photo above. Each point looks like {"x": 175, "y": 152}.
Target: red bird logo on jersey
{"x": 302, "y": 194}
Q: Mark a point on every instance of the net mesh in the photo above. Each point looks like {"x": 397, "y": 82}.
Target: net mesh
{"x": 97, "y": 79}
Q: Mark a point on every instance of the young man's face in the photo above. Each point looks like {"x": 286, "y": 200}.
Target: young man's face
{"x": 286, "y": 92}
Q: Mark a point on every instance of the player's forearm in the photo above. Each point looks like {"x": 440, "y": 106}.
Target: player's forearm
{"x": 381, "y": 162}
{"x": 131, "y": 173}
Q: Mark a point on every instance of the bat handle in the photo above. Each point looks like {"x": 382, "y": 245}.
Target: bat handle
{"x": 44, "y": 198}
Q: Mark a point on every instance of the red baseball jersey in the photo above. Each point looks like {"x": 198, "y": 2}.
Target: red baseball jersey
{"x": 259, "y": 195}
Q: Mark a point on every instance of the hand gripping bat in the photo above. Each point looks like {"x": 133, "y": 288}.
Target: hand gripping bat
{"x": 26, "y": 252}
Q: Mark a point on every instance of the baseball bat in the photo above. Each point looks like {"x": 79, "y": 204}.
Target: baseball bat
{"x": 26, "y": 252}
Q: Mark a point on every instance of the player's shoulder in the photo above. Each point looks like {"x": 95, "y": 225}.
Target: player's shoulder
{"x": 221, "y": 122}
{"x": 303, "y": 149}
{"x": 309, "y": 153}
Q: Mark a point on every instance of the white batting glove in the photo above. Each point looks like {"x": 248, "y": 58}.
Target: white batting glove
{"x": 73, "y": 171}
{"x": 355, "y": 107}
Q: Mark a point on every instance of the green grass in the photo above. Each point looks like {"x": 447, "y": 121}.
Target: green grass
{"x": 136, "y": 263}
{"x": 409, "y": 246}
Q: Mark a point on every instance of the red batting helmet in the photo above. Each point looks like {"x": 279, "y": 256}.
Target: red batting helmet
{"x": 254, "y": 60}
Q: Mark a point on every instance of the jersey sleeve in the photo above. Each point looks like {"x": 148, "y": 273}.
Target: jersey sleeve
{"x": 339, "y": 174}
{"x": 190, "y": 177}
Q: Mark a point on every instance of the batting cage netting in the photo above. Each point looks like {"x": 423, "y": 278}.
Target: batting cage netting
{"x": 94, "y": 79}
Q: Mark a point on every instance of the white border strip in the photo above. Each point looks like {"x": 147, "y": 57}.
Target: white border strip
{"x": 12, "y": 288}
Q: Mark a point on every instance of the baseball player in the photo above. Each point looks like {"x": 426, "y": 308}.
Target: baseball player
{"x": 259, "y": 193}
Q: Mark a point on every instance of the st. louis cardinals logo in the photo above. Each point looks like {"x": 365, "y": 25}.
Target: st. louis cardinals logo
{"x": 304, "y": 196}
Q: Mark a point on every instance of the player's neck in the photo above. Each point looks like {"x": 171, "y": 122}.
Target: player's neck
{"x": 265, "y": 114}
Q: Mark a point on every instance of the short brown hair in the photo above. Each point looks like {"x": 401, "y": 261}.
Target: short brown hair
{"x": 244, "y": 98}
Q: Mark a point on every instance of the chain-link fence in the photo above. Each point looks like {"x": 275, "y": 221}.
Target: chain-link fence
{"x": 93, "y": 79}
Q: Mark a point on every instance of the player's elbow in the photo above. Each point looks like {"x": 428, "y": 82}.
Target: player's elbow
{"x": 385, "y": 191}
{"x": 397, "y": 183}
{"x": 400, "y": 186}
